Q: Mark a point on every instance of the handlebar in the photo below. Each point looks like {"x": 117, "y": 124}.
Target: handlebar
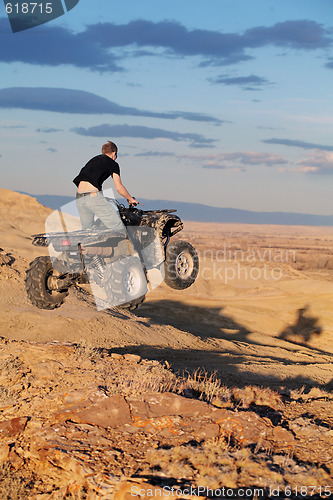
{"x": 133, "y": 205}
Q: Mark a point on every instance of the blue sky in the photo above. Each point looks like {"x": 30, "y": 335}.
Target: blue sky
{"x": 226, "y": 102}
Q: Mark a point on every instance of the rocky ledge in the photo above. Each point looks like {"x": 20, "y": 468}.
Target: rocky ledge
{"x": 78, "y": 422}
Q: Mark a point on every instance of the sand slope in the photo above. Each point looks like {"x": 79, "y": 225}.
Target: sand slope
{"x": 233, "y": 328}
{"x": 20, "y": 217}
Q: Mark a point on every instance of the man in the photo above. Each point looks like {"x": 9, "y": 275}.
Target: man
{"x": 89, "y": 197}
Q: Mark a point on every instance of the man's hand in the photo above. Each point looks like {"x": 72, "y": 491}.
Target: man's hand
{"x": 132, "y": 201}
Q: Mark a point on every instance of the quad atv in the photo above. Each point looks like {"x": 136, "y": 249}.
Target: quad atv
{"x": 121, "y": 266}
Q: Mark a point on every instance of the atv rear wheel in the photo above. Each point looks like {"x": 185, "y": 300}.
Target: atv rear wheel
{"x": 134, "y": 304}
{"x": 181, "y": 265}
{"x": 37, "y": 284}
{"x": 125, "y": 283}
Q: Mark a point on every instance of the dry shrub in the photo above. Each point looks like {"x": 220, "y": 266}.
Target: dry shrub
{"x": 85, "y": 350}
{"x": 215, "y": 464}
{"x": 140, "y": 379}
{"x": 11, "y": 366}
{"x": 128, "y": 378}
{"x": 208, "y": 387}
{"x": 304, "y": 394}
{"x": 203, "y": 385}
{"x": 5, "y": 393}
{"x": 252, "y": 395}
{"x": 12, "y": 486}
{"x": 204, "y": 465}
{"x": 313, "y": 260}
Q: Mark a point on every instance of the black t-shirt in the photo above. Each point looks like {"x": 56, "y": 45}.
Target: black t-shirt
{"x": 97, "y": 170}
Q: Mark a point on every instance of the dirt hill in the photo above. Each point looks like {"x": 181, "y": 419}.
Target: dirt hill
{"x": 20, "y": 217}
{"x": 89, "y": 405}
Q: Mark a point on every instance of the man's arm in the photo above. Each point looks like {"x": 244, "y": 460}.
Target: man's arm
{"x": 122, "y": 190}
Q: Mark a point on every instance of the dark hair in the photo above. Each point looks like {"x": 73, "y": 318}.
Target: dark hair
{"x": 109, "y": 148}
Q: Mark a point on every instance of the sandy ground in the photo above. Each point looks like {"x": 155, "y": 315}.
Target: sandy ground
{"x": 233, "y": 320}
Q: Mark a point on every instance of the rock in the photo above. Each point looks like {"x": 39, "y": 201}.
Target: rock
{"x": 244, "y": 427}
{"x": 15, "y": 460}
{"x": 101, "y": 484}
{"x": 132, "y": 358}
{"x": 150, "y": 362}
{"x": 206, "y": 431}
{"x": 282, "y": 435}
{"x": 139, "y": 408}
{"x": 221, "y": 404}
{"x": 13, "y": 427}
{"x": 6, "y": 259}
{"x": 48, "y": 368}
{"x": 4, "y": 452}
{"x": 116, "y": 356}
{"x": 91, "y": 393}
{"x": 112, "y": 411}
{"x": 172, "y": 404}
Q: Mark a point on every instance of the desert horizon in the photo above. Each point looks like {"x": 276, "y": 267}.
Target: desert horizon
{"x": 211, "y": 214}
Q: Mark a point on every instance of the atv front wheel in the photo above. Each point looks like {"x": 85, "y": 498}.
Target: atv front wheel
{"x": 125, "y": 283}
{"x": 181, "y": 265}
{"x": 38, "y": 284}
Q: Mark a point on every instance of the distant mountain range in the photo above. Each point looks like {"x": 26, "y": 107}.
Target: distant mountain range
{"x": 206, "y": 213}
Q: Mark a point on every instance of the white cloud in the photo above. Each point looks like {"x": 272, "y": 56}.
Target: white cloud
{"x": 320, "y": 162}
{"x": 238, "y": 160}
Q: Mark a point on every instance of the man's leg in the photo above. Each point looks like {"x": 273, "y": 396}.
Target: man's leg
{"x": 105, "y": 212}
{"x": 86, "y": 214}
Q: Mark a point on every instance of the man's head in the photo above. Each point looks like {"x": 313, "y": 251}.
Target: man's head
{"x": 110, "y": 149}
